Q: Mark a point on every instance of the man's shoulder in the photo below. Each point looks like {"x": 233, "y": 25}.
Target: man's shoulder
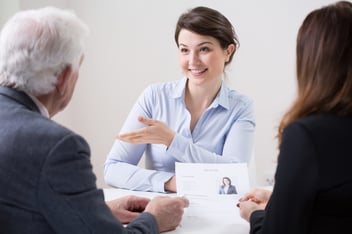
{"x": 48, "y": 126}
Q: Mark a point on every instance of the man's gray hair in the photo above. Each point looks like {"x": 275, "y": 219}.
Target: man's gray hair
{"x": 36, "y": 45}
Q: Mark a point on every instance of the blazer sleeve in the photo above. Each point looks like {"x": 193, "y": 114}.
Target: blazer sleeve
{"x": 291, "y": 205}
{"x": 256, "y": 221}
{"x": 68, "y": 196}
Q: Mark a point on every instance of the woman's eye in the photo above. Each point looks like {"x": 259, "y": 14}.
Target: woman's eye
{"x": 183, "y": 50}
{"x": 204, "y": 49}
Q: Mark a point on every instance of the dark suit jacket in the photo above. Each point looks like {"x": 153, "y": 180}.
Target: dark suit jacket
{"x": 313, "y": 181}
{"x": 46, "y": 179}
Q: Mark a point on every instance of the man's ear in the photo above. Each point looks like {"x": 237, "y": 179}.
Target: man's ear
{"x": 63, "y": 79}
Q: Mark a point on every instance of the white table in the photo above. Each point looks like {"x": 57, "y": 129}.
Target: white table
{"x": 210, "y": 223}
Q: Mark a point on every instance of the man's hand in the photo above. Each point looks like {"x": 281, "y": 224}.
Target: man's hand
{"x": 168, "y": 211}
{"x": 127, "y": 208}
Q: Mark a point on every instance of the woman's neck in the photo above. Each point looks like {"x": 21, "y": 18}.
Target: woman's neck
{"x": 201, "y": 97}
{"x": 198, "y": 99}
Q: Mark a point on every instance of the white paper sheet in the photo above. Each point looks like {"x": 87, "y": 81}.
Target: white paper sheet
{"x": 201, "y": 182}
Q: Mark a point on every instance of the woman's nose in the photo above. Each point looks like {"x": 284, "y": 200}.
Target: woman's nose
{"x": 193, "y": 58}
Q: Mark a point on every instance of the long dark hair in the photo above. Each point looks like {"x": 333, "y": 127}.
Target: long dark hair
{"x": 323, "y": 64}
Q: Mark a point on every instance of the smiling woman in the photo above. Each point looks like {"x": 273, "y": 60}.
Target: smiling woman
{"x": 195, "y": 119}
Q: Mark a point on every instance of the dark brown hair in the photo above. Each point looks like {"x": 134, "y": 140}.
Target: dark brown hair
{"x": 226, "y": 178}
{"x": 208, "y": 22}
{"x": 323, "y": 64}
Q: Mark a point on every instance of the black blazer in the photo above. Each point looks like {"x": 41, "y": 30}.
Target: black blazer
{"x": 313, "y": 181}
{"x": 46, "y": 180}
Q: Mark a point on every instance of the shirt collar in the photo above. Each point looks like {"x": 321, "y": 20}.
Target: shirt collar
{"x": 222, "y": 98}
{"x": 179, "y": 91}
{"x": 43, "y": 110}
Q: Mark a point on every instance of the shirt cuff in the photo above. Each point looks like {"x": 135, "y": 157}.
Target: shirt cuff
{"x": 158, "y": 181}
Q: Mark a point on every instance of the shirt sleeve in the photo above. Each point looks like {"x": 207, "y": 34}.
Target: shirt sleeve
{"x": 69, "y": 199}
{"x": 237, "y": 148}
{"x": 120, "y": 169}
{"x": 291, "y": 204}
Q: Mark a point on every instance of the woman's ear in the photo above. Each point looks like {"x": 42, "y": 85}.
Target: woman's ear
{"x": 63, "y": 79}
{"x": 229, "y": 51}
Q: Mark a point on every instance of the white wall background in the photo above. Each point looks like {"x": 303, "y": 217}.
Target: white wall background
{"x": 132, "y": 45}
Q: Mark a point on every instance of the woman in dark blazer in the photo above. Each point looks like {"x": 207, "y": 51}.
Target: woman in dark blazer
{"x": 313, "y": 181}
{"x": 227, "y": 187}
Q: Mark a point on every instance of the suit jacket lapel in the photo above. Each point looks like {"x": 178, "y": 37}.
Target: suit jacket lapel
{"x": 20, "y": 97}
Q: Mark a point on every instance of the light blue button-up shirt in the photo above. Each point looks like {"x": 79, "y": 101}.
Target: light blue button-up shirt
{"x": 223, "y": 134}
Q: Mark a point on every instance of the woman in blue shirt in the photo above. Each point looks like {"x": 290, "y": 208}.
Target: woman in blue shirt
{"x": 195, "y": 119}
